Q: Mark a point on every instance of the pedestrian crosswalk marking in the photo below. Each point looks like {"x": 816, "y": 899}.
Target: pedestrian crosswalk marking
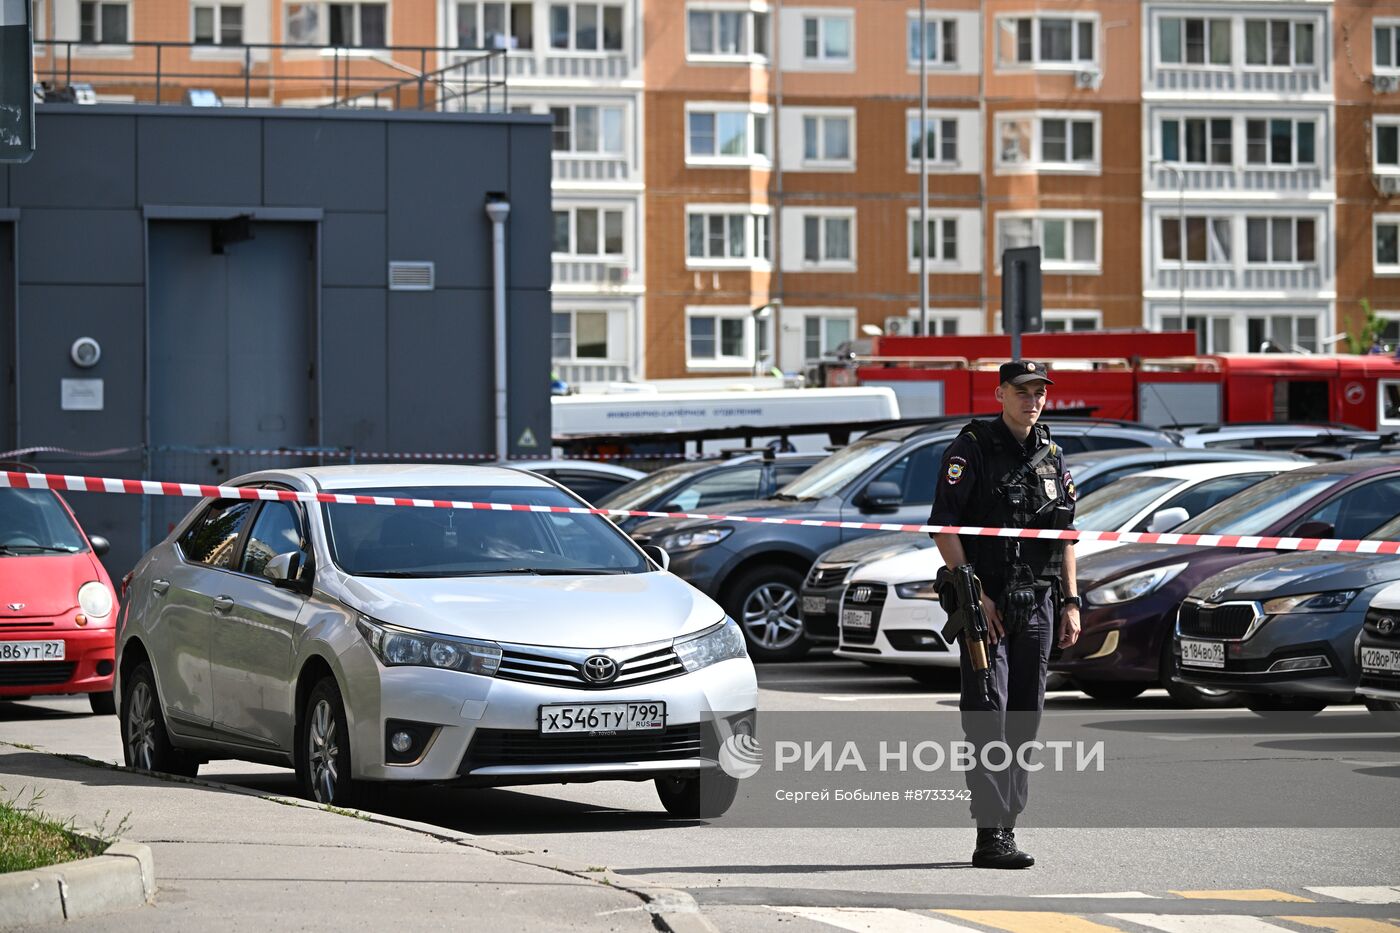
{"x": 1255, "y": 894}
{"x": 1031, "y": 921}
{"x": 1344, "y": 924}
{"x": 1215, "y": 923}
{"x": 1361, "y": 895}
{"x": 893, "y": 920}
{"x": 874, "y": 919}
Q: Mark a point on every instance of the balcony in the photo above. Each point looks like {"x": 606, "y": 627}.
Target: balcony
{"x": 607, "y": 275}
{"x": 575, "y": 373}
{"x": 1263, "y": 279}
{"x": 602, "y": 170}
{"x": 1228, "y": 179}
{"x": 1205, "y": 81}
{"x": 569, "y": 66}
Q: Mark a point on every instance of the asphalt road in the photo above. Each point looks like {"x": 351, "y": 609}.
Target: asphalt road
{"x": 890, "y": 878}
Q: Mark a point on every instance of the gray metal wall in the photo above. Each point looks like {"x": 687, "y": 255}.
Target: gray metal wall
{"x": 402, "y": 371}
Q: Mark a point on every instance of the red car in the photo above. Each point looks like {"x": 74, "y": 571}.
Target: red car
{"x": 58, "y": 610}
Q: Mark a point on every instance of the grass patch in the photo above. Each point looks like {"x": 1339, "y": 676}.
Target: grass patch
{"x": 29, "y": 839}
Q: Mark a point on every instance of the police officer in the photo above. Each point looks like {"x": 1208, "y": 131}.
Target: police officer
{"x": 1007, "y": 473}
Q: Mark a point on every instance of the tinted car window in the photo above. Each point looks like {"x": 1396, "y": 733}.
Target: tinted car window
{"x": 724, "y": 486}
{"x": 1086, "y": 486}
{"x": 35, "y": 519}
{"x": 642, "y": 489}
{"x": 588, "y": 486}
{"x": 1071, "y": 443}
{"x": 213, "y": 537}
{"x": 831, "y": 475}
{"x": 1360, "y": 510}
{"x": 916, "y": 474}
{"x": 785, "y": 473}
{"x": 276, "y": 530}
{"x": 1111, "y": 506}
{"x": 1108, "y": 442}
{"x": 1204, "y": 495}
{"x": 1256, "y": 508}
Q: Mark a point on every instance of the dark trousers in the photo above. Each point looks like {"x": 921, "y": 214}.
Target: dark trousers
{"x": 1010, "y": 714}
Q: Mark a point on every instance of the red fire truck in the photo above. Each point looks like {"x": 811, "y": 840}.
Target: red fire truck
{"x": 1156, "y": 378}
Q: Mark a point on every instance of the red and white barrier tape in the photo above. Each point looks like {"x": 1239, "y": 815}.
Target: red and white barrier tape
{"x": 344, "y": 454}
{"x": 151, "y": 488}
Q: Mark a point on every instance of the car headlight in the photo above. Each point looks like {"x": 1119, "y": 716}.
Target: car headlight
{"x": 691, "y": 540}
{"x": 722, "y": 642}
{"x": 1126, "y": 589}
{"x": 400, "y": 647}
{"x": 921, "y": 589}
{"x": 1335, "y": 601}
{"x": 95, "y": 600}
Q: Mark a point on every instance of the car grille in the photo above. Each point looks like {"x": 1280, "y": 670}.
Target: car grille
{"x": 873, "y": 602}
{"x": 495, "y": 747}
{"x": 35, "y": 673}
{"x": 558, "y": 671}
{"x": 1389, "y": 619}
{"x": 827, "y": 574}
{"x": 1230, "y": 620}
{"x": 26, "y": 623}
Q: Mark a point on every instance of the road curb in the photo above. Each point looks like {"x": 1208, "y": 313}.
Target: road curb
{"x": 120, "y": 878}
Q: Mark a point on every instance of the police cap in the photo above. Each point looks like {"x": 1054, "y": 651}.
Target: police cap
{"x": 1018, "y": 372}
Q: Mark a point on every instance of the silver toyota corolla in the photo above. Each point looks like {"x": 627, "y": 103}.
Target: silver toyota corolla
{"x": 364, "y": 643}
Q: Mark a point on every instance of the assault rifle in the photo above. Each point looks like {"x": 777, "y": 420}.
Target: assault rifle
{"x": 960, "y": 592}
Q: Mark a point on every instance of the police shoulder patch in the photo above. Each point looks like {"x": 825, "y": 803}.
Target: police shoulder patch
{"x": 1069, "y": 487}
{"x": 956, "y": 467}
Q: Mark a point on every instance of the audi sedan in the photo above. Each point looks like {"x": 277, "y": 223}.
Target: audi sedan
{"x": 368, "y": 644}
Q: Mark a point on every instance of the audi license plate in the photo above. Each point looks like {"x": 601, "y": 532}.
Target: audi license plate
{"x": 1202, "y": 653}
{"x": 1380, "y": 659}
{"x": 856, "y": 618}
{"x": 815, "y": 604}
{"x": 31, "y": 650}
{"x": 602, "y": 717}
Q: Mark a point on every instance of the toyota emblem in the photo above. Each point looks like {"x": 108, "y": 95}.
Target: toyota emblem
{"x": 1386, "y": 625}
{"x": 860, "y": 594}
{"x": 600, "y": 669}
{"x": 16, "y": 606}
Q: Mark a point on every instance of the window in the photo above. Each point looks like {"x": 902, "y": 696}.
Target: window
{"x": 726, "y": 236}
{"x": 218, "y": 23}
{"x": 1193, "y": 41}
{"x": 1044, "y": 40}
{"x": 1047, "y": 141}
{"x": 1283, "y": 331}
{"x": 1212, "y": 331}
{"x": 1068, "y": 243}
{"x": 1198, "y": 239}
{"x": 1386, "y": 147}
{"x": 1058, "y": 322}
{"x": 726, "y": 135}
{"x": 942, "y": 239}
{"x": 916, "y": 474}
{"x": 940, "y": 136}
{"x": 1389, "y": 391}
{"x": 826, "y": 39}
{"x": 1357, "y": 511}
{"x": 1281, "y": 142}
{"x": 588, "y": 231}
{"x": 719, "y": 338}
{"x": 939, "y": 41}
{"x": 724, "y": 486}
{"x": 580, "y": 335}
{"x": 277, "y": 530}
{"x": 827, "y": 138}
{"x": 213, "y": 537}
{"x": 1274, "y": 240}
{"x": 1197, "y": 141}
{"x": 346, "y": 25}
{"x": 828, "y": 239}
{"x": 104, "y": 22}
{"x": 587, "y": 129}
{"x": 1386, "y": 46}
{"x": 495, "y": 26}
{"x": 1278, "y": 43}
{"x": 585, "y": 27}
{"x": 822, "y": 334}
{"x": 1204, "y": 495}
{"x": 1387, "y": 238}
{"x": 721, "y": 33}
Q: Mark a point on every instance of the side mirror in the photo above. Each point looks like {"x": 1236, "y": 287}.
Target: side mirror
{"x": 881, "y": 497}
{"x": 1167, "y": 519}
{"x": 1313, "y": 530}
{"x": 100, "y": 545}
{"x": 657, "y": 554}
{"x": 284, "y": 571}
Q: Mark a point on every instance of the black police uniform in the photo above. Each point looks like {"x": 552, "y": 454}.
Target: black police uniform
{"x": 988, "y": 478}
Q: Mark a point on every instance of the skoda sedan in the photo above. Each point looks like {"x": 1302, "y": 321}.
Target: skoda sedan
{"x": 365, "y": 643}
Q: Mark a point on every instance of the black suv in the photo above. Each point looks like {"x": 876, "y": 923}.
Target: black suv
{"x": 755, "y": 571}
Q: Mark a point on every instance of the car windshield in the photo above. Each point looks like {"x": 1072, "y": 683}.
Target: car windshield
{"x": 396, "y": 541}
{"x": 645, "y": 488}
{"x": 1254, "y": 510}
{"x": 1110, "y": 508}
{"x": 831, "y": 475}
{"x": 33, "y": 521}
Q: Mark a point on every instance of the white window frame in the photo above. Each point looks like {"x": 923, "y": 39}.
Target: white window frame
{"x": 822, "y": 215}
{"x": 1389, "y": 317}
{"x": 574, "y": 153}
{"x": 602, "y": 209}
{"x": 753, "y": 214}
{"x": 1160, "y": 240}
{"x": 968, "y": 323}
{"x": 1319, "y": 29}
{"x": 1037, "y": 162}
{"x": 1394, "y": 26}
{"x": 217, "y": 8}
{"x": 719, "y": 313}
{"x": 1038, "y": 219}
{"x": 1294, "y": 314}
{"x": 454, "y": 24}
{"x": 103, "y": 40}
{"x": 1234, "y": 321}
{"x": 937, "y": 120}
{"x": 1068, "y": 317}
{"x": 1378, "y": 221}
{"x": 1271, "y": 263}
{"x": 573, "y": 357}
{"x": 1269, "y": 163}
{"x": 939, "y": 46}
{"x": 323, "y": 25}
{"x": 752, "y": 29}
{"x": 939, "y": 261}
{"x": 1037, "y": 63}
{"x": 754, "y": 133}
{"x": 821, "y": 115}
{"x": 1389, "y": 122}
{"x": 822, "y": 60}
{"x": 1182, "y": 119}
{"x": 572, "y": 48}
{"x": 824, "y": 316}
{"x": 1236, "y": 37}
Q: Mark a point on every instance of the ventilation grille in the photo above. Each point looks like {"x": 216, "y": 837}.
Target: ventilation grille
{"x": 410, "y": 276}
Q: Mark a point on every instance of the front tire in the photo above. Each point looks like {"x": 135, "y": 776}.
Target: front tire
{"x": 145, "y": 743}
{"x": 766, "y": 603}
{"x": 1266, "y": 703}
{"x": 103, "y": 704}
{"x": 697, "y": 798}
{"x": 323, "y": 748}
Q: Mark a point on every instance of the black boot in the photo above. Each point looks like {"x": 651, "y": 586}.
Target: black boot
{"x": 996, "y": 848}
{"x": 1024, "y": 859}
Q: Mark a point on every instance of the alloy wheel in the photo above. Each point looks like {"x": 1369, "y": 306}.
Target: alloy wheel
{"x": 771, "y": 617}
{"x": 140, "y": 727}
{"x": 323, "y": 751}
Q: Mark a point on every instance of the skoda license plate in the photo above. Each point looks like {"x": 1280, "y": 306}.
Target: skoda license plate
{"x": 855, "y": 618}
{"x": 1202, "y": 653}
{"x": 31, "y": 650}
{"x": 1380, "y": 659}
{"x": 815, "y": 604}
{"x": 602, "y": 717}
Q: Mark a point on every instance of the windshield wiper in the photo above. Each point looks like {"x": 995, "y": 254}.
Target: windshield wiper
{"x": 43, "y": 548}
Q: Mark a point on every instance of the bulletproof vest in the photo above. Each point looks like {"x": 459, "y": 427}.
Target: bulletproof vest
{"x": 1013, "y": 494}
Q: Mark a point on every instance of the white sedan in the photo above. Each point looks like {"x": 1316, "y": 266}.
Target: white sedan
{"x": 889, "y": 612}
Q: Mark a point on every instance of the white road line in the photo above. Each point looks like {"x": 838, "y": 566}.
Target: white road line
{"x": 1125, "y": 895}
{"x": 1361, "y": 895}
{"x": 1202, "y": 923}
{"x": 874, "y": 919}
